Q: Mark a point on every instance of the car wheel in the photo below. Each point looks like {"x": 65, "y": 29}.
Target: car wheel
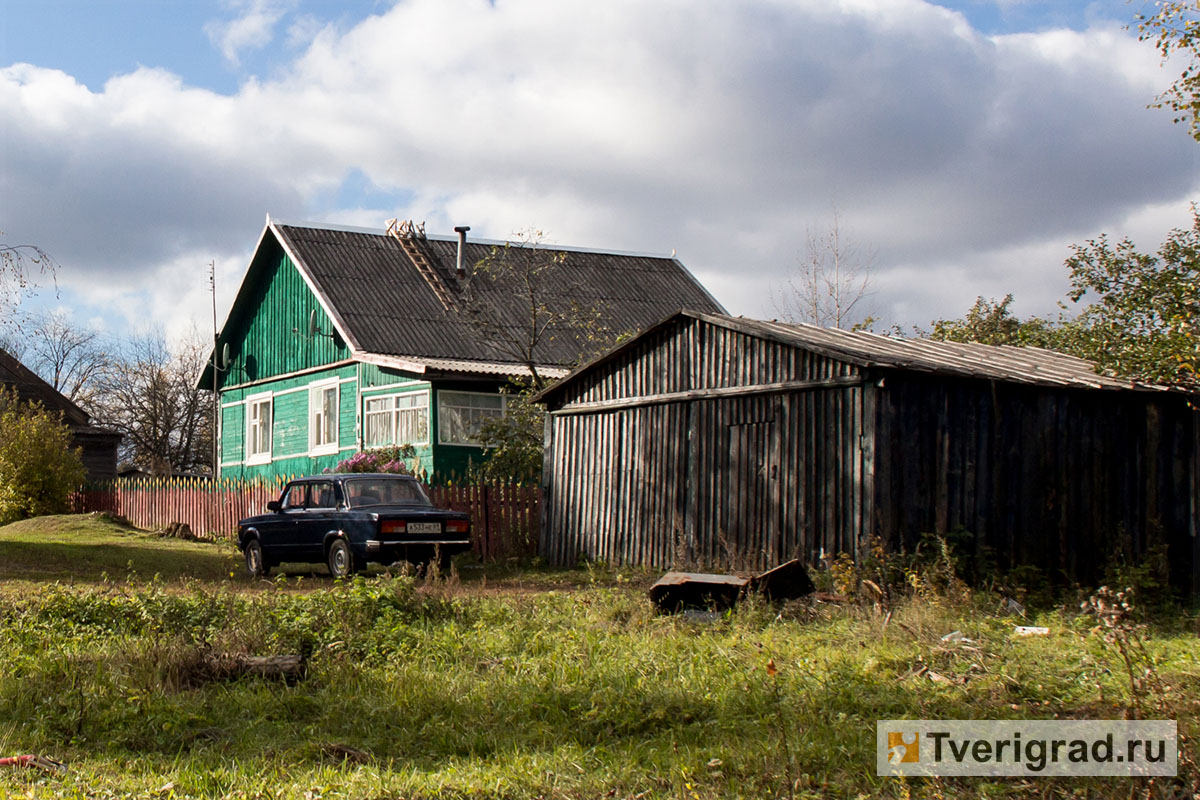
{"x": 256, "y": 565}
{"x": 341, "y": 561}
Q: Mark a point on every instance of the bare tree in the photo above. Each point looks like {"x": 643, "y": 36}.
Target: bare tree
{"x": 149, "y": 393}
{"x": 830, "y": 284}
{"x": 521, "y": 298}
{"x": 69, "y": 357}
{"x": 18, "y": 263}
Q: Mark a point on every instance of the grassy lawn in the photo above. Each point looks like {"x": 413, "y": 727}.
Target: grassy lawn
{"x": 90, "y": 548}
{"x": 510, "y": 684}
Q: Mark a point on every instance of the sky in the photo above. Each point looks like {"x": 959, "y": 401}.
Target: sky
{"x": 961, "y": 146}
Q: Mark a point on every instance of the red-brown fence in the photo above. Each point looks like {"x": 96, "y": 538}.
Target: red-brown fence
{"x": 504, "y": 518}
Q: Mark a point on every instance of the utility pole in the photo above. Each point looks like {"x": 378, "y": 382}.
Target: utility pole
{"x": 216, "y": 408}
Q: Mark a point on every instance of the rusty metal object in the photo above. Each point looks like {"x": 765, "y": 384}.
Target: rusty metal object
{"x": 786, "y": 582}
{"x": 676, "y": 591}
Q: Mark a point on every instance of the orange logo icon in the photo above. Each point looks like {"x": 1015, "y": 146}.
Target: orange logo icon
{"x": 903, "y": 748}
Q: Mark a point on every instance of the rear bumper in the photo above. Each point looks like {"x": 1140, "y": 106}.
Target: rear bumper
{"x": 388, "y": 552}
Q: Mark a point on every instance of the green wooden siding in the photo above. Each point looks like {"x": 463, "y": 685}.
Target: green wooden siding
{"x": 289, "y": 425}
{"x": 268, "y": 335}
{"x": 370, "y": 376}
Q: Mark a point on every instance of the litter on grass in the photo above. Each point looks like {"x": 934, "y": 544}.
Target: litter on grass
{"x": 1031, "y": 630}
{"x": 34, "y": 762}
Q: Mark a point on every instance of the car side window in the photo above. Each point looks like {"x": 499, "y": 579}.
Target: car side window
{"x": 321, "y": 495}
{"x": 294, "y": 498}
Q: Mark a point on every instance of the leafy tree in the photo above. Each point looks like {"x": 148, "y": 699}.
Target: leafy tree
{"x": 992, "y": 322}
{"x": 1143, "y": 310}
{"x": 1137, "y": 317}
{"x": 514, "y": 443}
{"x": 831, "y": 284}
{"x": 39, "y": 467}
{"x": 1174, "y": 28}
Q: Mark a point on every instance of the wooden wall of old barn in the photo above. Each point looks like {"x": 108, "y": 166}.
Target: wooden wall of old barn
{"x": 754, "y": 456}
{"x": 705, "y": 446}
{"x": 1064, "y": 479}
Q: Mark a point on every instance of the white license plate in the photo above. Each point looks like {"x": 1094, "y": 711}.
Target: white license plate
{"x": 424, "y": 527}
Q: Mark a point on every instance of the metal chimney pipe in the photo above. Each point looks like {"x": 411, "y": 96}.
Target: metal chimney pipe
{"x": 461, "y": 230}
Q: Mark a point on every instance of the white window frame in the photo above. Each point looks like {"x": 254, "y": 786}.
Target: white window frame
{"x": 441, "y": 413}
{"x": 393, "y": 417}
{"x": 252, "y": 455}
{"x": 317, "y": 417}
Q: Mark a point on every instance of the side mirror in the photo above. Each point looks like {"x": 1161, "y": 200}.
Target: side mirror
{"x": 273, "y": 505}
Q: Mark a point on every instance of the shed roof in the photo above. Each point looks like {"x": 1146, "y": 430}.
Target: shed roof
{"x": 383, "y": 305}
{"x": 1027, "y": 365}
{"x": 31, "y": 388}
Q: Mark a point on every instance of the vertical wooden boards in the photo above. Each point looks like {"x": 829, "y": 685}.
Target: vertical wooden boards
{"x": 1059, "y": 478}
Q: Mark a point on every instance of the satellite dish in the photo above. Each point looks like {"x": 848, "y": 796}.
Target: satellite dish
{"x": 312, "y": 323}
{"x": 225, "y": 356}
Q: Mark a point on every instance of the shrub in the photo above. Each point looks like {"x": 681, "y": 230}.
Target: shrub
{"x": 38, "y": 466}
{"x": 385, "y": 459}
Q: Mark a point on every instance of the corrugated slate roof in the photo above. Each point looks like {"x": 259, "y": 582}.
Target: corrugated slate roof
{"x": 387, "y": 307}
{"x": 992, "y": 362}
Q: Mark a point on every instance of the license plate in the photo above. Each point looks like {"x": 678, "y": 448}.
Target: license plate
{"x": 424, "y": 527}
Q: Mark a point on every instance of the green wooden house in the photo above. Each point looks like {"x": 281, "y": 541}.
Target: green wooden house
{"x": 341, "y": 340}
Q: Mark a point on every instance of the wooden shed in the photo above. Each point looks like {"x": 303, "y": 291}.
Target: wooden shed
{"x": 721, "y": 441}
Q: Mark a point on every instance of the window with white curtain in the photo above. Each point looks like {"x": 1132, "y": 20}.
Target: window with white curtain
{"x": 462, "y": 414}
{"x": 323, "y": 418}
{"x": 396, "y": 419}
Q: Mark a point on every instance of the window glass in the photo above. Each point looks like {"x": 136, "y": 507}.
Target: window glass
{"x": 412, "y": 418}
{"x": 461, "y": 414}
{"x": 294, "y": 498}
{"x": 384, "y": 491}
{"x": 259, "y": 434}
{"x": 378, "y": 422}
{"x": 396, "y": 419}
{"x": 323, "y": 416}
{"x": 321, "y": 495}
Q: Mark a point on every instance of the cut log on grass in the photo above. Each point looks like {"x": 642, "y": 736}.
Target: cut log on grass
{"x": 290, "y": 668}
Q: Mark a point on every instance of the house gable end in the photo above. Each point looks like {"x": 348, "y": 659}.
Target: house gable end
{"x": 268, "y": 329}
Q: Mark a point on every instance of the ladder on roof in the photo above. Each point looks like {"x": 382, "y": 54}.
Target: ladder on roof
{"x": 413, "y": 242}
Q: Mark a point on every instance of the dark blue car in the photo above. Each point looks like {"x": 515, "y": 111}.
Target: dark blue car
{"x": 347, "y": 520}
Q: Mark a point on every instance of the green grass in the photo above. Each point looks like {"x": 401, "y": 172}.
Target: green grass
{"x": 87, "y": 548}
{"x": 518, "y": 684}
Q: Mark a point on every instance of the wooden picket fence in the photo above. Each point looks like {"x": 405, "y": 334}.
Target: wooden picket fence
{"x": 504, "y": 518}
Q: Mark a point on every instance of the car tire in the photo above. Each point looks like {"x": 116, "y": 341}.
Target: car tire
{"x": 256, "y": 563}
{"x": 341, "y": 561}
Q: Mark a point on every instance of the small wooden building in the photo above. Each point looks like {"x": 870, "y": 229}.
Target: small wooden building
{"x": 97, "y": 446}
{"x": 714, "y": 440}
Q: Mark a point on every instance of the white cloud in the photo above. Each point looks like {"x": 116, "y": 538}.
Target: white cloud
{"x": 967, "y": 162}
{"x": 252, "y": 29}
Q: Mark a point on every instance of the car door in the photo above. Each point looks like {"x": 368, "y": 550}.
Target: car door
{"x": 319, "y": 518}
{"x": 279, "y": 540}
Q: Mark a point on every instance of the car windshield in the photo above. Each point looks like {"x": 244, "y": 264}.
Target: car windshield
{"x": 384, "y": 492}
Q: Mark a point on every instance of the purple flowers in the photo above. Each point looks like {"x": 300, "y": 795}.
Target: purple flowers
{"x": 385, "y": 459}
